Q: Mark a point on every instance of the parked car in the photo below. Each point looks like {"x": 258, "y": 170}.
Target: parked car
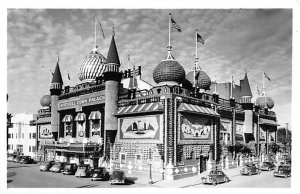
{"x": 117, "y": 177}
{"x": 215, "y": 177}
{"x": 250, "y": 169}
{"x": 69, "y": 168}
{"x": 83, "y": 170}
{"x": 57, "y": 167}
{"x": 100, "y": 174}
{"x": 11, "y": 157}
{"x": 26, "y": 160}
{"x": 267, "y": 166}
{"x": 17, "y": 159}
{"x": 45, "y": 166}
{"x": 283, "y": 171}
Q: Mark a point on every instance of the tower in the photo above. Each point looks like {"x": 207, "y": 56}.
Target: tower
{"x": 112, "y": 78}
{"x": 55, "y": 91}
{"x": 245, "y": 99}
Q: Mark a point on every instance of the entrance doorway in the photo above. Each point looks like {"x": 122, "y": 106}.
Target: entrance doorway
{"x": 202, "y": 163}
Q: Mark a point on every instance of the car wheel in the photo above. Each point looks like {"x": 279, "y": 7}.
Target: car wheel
{"x": 214, "y": 183}
{"x": 285, "y": 176}
{"x": 226, "y": 180}
{"x": 269, "y": 169}
{"x": 250, "y": 173}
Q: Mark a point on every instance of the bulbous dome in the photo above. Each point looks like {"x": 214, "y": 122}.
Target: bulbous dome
{"x": 264, "y": 101}
{"x": 45, "y": 100}
{"x": 202, "y": 79}
{"x": 92, "y": 66}
{"x": 169, "y": 72}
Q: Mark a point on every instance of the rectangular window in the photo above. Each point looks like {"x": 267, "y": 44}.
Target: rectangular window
{"x": 33, "y": 149}
{"x": 29, "y": 148}
{"x": 12, "y": 135}
{"x": 29, "y": 135}
{"x": 16, "y": 136}
{"x": 33, "y": 135}
{"x": 22, "y": 135}
{"x": 12, "y": 146}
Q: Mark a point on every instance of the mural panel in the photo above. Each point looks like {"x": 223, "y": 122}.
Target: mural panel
{"x": 143, "y": 127}
{"x": 45, "y": 131}
{"x": 196, "y": 128}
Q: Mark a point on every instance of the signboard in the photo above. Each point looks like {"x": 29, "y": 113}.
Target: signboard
{"x": 81, "y": 101}
{"x": 196, "y": 128}
{"x": 144, "y": 127}
{"x": 239, "y": 129}
{"x": 45, "y": 131}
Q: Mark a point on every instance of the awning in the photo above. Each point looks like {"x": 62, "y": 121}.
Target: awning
{"x": 95, "y": 115}
{"x": 197, "y": 109}
{"x": 44, "y": 120}
{"x": 249, "y": 137}
{"x": 67, "y": 119}
{"x": 267, "y": 122}
{"x": 80, "y": 117}
{"x": 140, "y": 108}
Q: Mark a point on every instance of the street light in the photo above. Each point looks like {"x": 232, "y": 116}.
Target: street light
{"x": 150, "y": 168}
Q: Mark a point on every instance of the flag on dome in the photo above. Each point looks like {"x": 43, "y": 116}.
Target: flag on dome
{"x": 266, "y": 76}
{"x": 175, "y": 25}
{"x": 101, "y": 28}
{"x": 200, "y": 39}
{"x": 69, "y": 77}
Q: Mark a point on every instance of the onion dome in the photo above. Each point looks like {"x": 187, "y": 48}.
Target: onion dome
{"x": 202, "y": 80}
{"x": 45, "y": 100}
{"x": 92, "y": 66}
{"x": 169, "y": 72}
{"x": 264, "y": 101}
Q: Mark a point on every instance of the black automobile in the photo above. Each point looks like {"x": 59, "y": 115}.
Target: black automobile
{"x": 100, "y": 173}
{"x": 215, "y": 177}
{"x": 70, "y": 169}
{"x": 45, "y": 166}
{"x": 83, "y": 170}
{"x": 267, "y": 166}
{"x": 17, "y": 159}
{"x": 283, "y": 171}
{"x": 117, "y": 177}
{"x": 250, "y": 169}
{"x": 26, "y": 160}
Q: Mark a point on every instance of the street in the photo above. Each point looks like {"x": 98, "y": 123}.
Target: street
{"x": 29, "y": 176}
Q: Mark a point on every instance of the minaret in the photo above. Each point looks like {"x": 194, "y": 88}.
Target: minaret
{"x": 55, "y": 91}
{"x": 245, "y": 100}
{"x": 112, "y": 78}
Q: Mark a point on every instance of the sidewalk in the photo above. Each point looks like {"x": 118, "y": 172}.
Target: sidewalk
{"x": 143, "y": 178}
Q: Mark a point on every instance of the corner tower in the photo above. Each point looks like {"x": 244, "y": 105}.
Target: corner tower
{"x": 55, "y": 91}
{"x": 112, "y": 78}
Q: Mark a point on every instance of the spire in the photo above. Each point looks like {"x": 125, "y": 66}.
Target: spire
{"x": 57, "y": 75}
{"x": 112, "y": 56}
{"x": 245, "y": 87}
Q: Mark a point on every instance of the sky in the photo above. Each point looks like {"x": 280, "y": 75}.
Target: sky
{"x": 236, "y": 40}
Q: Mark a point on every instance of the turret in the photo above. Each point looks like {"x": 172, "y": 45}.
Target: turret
{"x": 112, "y": 78}
{"x": 55, "y": 91}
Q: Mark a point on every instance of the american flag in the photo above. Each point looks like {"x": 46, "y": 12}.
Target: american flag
{"x": 175, "y": 25}
{"x": 200, "y": 39}
{"x": 101, "y": 28}
{"x": 266, "y": 76}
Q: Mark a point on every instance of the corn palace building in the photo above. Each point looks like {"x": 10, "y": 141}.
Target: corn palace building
{"x": 181, "y": 122}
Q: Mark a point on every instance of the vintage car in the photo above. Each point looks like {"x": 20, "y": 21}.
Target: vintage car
{"x": 283, "y": 171}
{"x": 250, "y": 169}
{"x": 83, "y": 170}
{"x": 117, "y": 177}
{"x": 45, "y": 166}
{"x": 215, "y": 177}
{"x": 69, "y": 168}
{"x": 17, "y": 159}
{"x": 267, "y": 166}
{"x": 100, "y": 174}
{"x": 57, "y": 167}
{"x": 26, "y": 160}
{"x": 11, "y": 157}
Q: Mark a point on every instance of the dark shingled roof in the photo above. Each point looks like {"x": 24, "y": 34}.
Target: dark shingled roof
{"x": 245, "y": 87}
{"x": 56, "y": 75}
{"x": 112, "y": 56}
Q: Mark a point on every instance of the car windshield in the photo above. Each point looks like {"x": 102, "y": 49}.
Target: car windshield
{"x": 213, "y": 172}
{"x": 68, "y": 166}
{"x": 266, "y": 163}
{"x": 98, "y": 170}
{"x": 82, "y": 167}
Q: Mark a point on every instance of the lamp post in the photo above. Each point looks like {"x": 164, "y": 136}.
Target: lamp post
{"x": 150, "y": 168}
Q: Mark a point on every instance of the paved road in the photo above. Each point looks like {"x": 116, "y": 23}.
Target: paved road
{"x": 29, "y": 176}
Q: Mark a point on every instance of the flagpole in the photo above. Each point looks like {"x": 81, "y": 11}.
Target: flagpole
{"x": 231, "y": 86}
{"x": 95, "y": 33}
{"x": 196, "y": 46}
{"x": 169, "y": 29}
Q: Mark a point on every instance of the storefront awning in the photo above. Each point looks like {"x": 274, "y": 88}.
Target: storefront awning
{"x": 95, "y": 115}
{"x": 80, "y": 117}
{"x": 67, "y": 119}
{"x": 44, "y": 120}
{"x": 140, "y": 108}
{"x": 197, "y": 110}
{"x": 267, "y": 122}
